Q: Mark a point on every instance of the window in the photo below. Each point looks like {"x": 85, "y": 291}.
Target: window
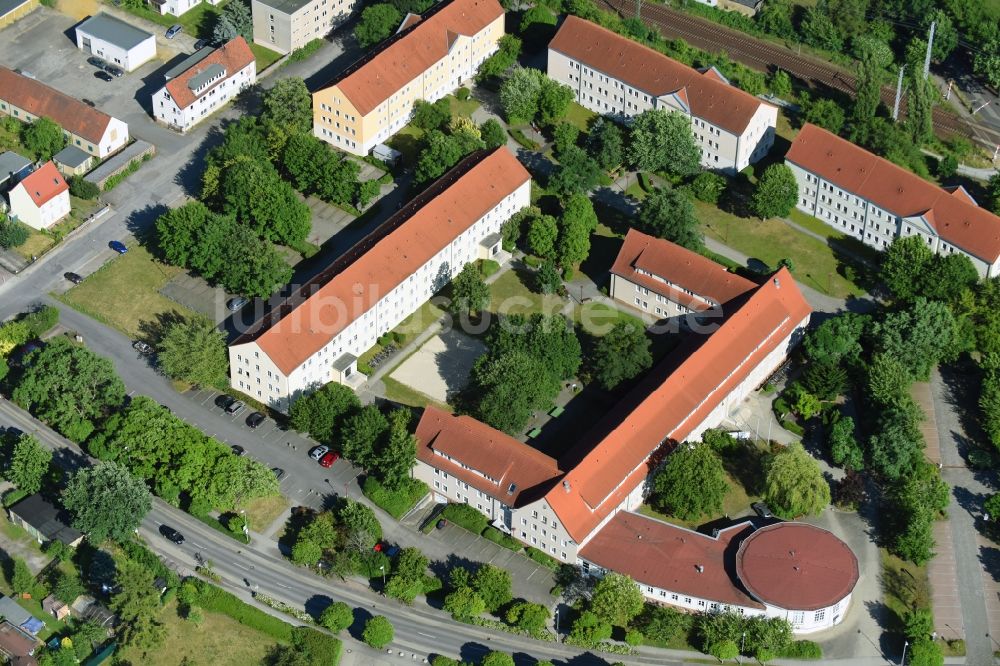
{"x": 673, "y": 597}
{"x": 798, "y": 617}
{"x": 820, "y": 614}
{"x": 687, "y": 600}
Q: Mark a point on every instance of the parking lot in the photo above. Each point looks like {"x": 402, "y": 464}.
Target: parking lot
{"x": 43, "y": 44}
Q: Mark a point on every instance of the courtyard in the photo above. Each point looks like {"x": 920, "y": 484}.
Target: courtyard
{"x": 441, "y": 367}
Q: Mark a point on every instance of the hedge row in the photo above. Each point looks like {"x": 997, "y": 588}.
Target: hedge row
{"x": 465, "y": 516}
{"x": 394, "y": 502}
{"x": 217, "y": 600}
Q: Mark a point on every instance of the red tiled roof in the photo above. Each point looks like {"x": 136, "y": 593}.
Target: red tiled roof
{"x": 670, "y": 408}
{"x": 668, "y": 557}
{"x": 652, "y": 72}
{"x": 683, "y": 267}
{"x": 502, "y": 458}
{"x": 40, "y": 100}
{"x": 391, "y": 259}
{"x": 796, "y": 566}
{"x": 44, "y": 184}
{"x": 960, "y": 192}
{"x": 232, "y": 56}
{"x": 896, "y": 190}
{"x": 424, "y": 43}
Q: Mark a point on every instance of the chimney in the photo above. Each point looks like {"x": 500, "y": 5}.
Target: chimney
{"x": 566, "y": 486}
{"x": 700, "y": 568}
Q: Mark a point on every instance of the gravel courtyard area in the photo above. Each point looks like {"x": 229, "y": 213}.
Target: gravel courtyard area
{"x": 441, "y": 367}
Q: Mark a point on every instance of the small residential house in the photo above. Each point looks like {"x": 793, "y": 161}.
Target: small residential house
{"x": 41, "y": 199}
{"x": 116, "y": 41}
{"x": 71, "y": 161}
{"x": 177, "y": 7}
{"x": 44, "y": 521}
{"x": 92, "y": 131}
{"x": 286, "y": 25}
{"x": 17, "y": 646}
{"x": 13, "y": 168}
{"x": 204, "y": 82}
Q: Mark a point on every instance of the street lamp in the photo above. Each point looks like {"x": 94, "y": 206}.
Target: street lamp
{"x": 739, "y": 657}
{"x": 382, "y": 569}
{"x": 906, "y": 644}
{"x": 246, "y": 525}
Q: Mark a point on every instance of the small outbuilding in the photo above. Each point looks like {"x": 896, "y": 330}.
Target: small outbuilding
{"x": 13, "y": 168}
{"x": 71, "y": 161}
{"x": 60, "y": 610}
{"x": 44, "y": 521}
{"x": 386, "y": 154}
{"x": 119, "y": 43}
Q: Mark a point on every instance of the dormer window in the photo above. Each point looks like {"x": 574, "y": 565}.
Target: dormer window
{"x": 204, "y": 79}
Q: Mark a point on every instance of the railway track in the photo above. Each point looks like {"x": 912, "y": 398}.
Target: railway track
{"x": 762, "y": 56}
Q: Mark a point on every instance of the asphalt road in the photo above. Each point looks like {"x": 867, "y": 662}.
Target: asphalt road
{"x": 420, "y": 630}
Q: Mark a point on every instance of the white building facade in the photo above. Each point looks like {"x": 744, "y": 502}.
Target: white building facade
{"x": 262, "y": 369}
{"x": 178, "y": 7}
{"x": 41, "y": 199}
{"x": 208, "y": 84}
{"x": 875, "y": 201}
{"x": 615, "y": 76}
{"x": 116, "y": 41}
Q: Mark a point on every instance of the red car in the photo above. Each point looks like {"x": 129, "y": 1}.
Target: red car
{"x": 329, "y": 458}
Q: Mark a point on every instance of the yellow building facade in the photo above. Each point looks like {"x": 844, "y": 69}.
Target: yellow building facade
{"x": 430, "y": 56}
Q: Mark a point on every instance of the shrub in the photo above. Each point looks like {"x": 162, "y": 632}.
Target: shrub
{"x": 708, "y": 187}
{"x": 542, "y": 558}
{"x": 305, "y": 51}
{"x": 83, "y": 189}
{"x": 634, "y": 637}
{"x": 378, "y": 632}
{"x": 488, "y": 268}
{"x": 802, "y": 650}
{"x": 394, "y": 502}
{"x": 215, "y": 599}
{"x": 498, "y": 537}
{"x": 465, "y": 516}
{"x": 13, "y": 496}
{"x": 41, "y": 321}
{"x": 147, "y": 558}
{"x": 462, "y": 94}
{"x": 793, "y": 428}
{"x": 521, "y": 139}
{"x": 12, "y": 233}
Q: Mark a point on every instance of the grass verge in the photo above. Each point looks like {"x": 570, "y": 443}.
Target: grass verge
{"x": 125, "y": 292}
{"x": 263, "y": 511}
{"x": 264, "y": 56}
{"x": 403, "y": 394}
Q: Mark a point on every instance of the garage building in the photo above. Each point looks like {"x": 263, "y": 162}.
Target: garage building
{"x": 116, "y": 41}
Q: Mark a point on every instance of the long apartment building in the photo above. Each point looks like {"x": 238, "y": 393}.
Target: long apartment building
{"x": 577, "y": 507}
{"x": 615, "y": 76}
{"x": 316, "y": 336}
{"x": 430, "y": 55}
{"x": 286, "y": 25}
{"x": 665, "y": 280}
{"x": 876, "y": 201}
{"x": 203, "y": 82}
{"x": 86, "y": 128}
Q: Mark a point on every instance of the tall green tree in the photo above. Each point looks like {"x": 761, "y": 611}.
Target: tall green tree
{"x": 69, "y": 387}
{"x": 28, "y": 464}
{"x": 606, "y": 144}
{"x": 691, "y": 484}
{"x": 288, "y": 104}
{"x": 826, "y": 113}
{"x": 896, "y": 444}
{"x": 493, "y": 134}
{"x": 520, "y": 94}
{"x": 919, "y": 337}
{"x": 378, "y": 632}
{"x": 194, "y": 350}
{"x": 542, "y": 236}
{"x": 106, "y": 502}
{"x": 394, "y": 460}
{"x": 621, "y": 355}
{"x": 508, "y": 388}
{"x": 255, "y": 194}
{"x": 837, "y": 341}
{"x": 321, "y": 413}
{"x": 844, "y": 447}
{"x": 235, "y": 20}
{"x": 43, "y": 138}
{"x": 493, "y": 585}
{"x": 873, "y": 58}
{"x": 616, "y": 599}
{"x": 469, "y": 292}
{"x": 669, "y": 214}
{"x": 663, "y": 141}
{"x": 776, "y": 193}
{"x": 377, "y": 22}
{"x": 361, "y": 432}
{"x": 794, "y": 484}
{"x": 921, "y": 95}
{"x": 336, "y": 617}
{"x": 137, "y": 604}
{"x": 576, "y": 172}
{"x": 553, "y": 101}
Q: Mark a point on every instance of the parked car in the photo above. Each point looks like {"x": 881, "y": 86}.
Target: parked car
{"x": 88, "y": 102}
{"x": 200, "y": 44}
{"x": 96, "y": 62}
{"x": 441, "y": 524}
{"x": 142, "y": 347}
{"x": 255, "y": 420}
{"x": 329, "y": 458}
{"x": 118, "y": 247}
{"x": 224, "y": 401}
{"x": 238, "y": 450}
{"x": 235, "y": 304}
{"x": 762, "y": 510}
{"x": 114, "y": 71}
{"x": 73, "y": 277}
{"x": 103, "y": 76}
{"x": 279, "y": 473}
{"x": 173, "y": 30}
{"x": 318, "y": 452}
{"x": 172, "y": 534}
{"x": 236, "y": 407}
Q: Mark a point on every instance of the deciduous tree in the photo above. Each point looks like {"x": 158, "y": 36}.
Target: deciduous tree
{"x": 377, "y": 22}
{"x": 669, "y": 214}
{"x": 663, "y": 141}
{"x": 542, "y": 235}
{"x": 28, "y": 464}
{"x": 528, "y": 616}
{"x": 777, "y": 192}
{"x": 691, "y": 484}
{"x": 606, "y": 144}
{"x": 826, "y": 113}
{"x": 520, "y": 93}
{"x": 106, "y": 502}
{"x": 621, "y": 355}
{"x": 378, "y": 632}
{"x": 336, "y": 617}
{"x": 844, "y": 447}
{"x": 794, "y": 484}
{"x": 493, "y": 585}
{"x": 493, "y": 134}
{"x": 321, "y": 412}
{"x": 194, "y": 350}
{"x": 576, "y": 172}
{"x": 288, "y": 104}
{"x": 361, "y": 430}
{"x": 43, "y": 138}
{"x": 616, "y": 599}
{"x": 470, "y": 294}
{"x": 464, "y": 603}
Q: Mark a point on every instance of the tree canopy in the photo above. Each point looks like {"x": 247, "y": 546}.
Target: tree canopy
{"x": 106, "y": 501}
{"x": 377, "y": 22}
{"x": 669, "y": 214}
{"x": 691, "y": 484}
{"x": 470, "y": 294}
{"x": 776, "y": 193}
{"x": 621, "y": 355}
{"x": 29, "y": 463}
{"x": 321, "y": 413}
{"x": 43, "y": 138}
{"x": 662, "y": 140}
{"x": 616, "y": 599}
{"x": 234, "y": 20}
{"x": 195, "y": 351}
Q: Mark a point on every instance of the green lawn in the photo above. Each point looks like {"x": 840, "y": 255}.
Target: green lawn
{"x": 904, "y": 584}
{"x": 599, "y": 318}
{"x": 407, "y": 142}
{"x": 579, "y": 116}
{"x": 124, "y": 293}
{"x": 40, "y": 242}
{"x": 198, "y": 22}
{"x": 265, "y": 57}
{"x": 11, "y": 139}
{"x": 217, "y": 639}
{"x": 411, "y": 327}
{"x": 462, "y": 108}
{"x": 817, "y": 226}
{"x": 511, "y": 294}
{"x": 815, "y": 263}
{"x": 263, "y": 511}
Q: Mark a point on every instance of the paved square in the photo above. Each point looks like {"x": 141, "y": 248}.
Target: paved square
{"x": 441, "y": 367}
